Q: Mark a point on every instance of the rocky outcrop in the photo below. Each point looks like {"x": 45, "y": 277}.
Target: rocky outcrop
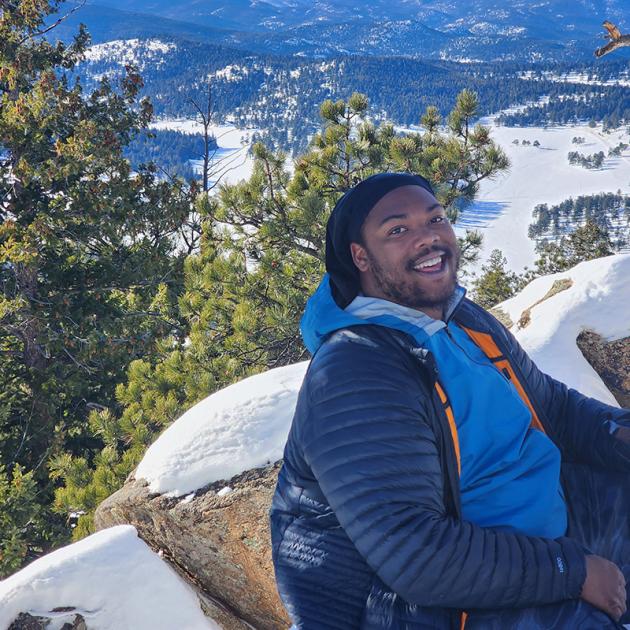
{"x": 611, "y": 360}
{"x": 219, "y": 542}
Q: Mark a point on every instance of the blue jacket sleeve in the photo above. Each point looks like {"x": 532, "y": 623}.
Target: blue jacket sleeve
{"x": 369, "y": 443}
{"x": 582, "y": 427}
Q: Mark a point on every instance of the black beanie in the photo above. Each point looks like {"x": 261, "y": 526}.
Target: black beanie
{"x": 344, "y": 227}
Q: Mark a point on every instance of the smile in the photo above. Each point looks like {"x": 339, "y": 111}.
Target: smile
{"x": 430, "y": 265}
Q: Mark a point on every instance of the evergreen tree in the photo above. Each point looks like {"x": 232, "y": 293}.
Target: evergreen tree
{"x": 21, "y": 514}
{"x": 496, "y": 283}
{"x": 88, "y": 264}
{"x": 587, "y": 242}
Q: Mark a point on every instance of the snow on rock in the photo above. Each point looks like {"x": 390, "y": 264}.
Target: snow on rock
{"x": 237, "y": 428}
{"x": 597, "y": 299}
{"x": 112, "y": 579}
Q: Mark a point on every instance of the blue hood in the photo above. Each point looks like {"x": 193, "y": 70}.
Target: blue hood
{"x": 323, "y": 316}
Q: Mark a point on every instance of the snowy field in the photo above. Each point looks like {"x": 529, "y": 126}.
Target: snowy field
{"x": 231, "y": 162}
{"x": 503, "y": 208}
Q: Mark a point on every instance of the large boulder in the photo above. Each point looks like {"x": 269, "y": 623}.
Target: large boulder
{"x": 217, "y": 538}
{"x": 611, "y": 361}
{"x": 191, "y": 501}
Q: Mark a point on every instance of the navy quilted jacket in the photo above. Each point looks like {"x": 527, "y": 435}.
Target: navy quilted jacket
{"x": 366, "y": 527}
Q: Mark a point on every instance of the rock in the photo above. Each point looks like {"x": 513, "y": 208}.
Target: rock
{"x": 556, "y": 287}
{"x": 24, "y": 621}
{"x": 611, "y": 360}
{"x": 219, "y": 544}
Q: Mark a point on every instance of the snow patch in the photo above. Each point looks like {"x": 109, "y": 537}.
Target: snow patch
{"x": 112, "y": 579}
{"x": 237, "y": 428}
{"x": 129, "y": 51}
{"x": 598, "y": 300}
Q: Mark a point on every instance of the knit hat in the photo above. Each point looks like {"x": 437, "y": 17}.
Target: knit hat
{"x": 344, "y": 227}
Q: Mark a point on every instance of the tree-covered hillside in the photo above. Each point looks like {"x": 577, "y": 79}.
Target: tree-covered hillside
{"x": 281, "y": 95}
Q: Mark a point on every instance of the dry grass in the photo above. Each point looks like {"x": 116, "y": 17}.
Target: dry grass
{"x": 556, "y": 287}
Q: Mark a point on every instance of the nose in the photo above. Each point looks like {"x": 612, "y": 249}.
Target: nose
{"x": 425, "y": 236}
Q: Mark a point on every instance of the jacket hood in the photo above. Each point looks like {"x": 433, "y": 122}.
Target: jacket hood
{"x": 323, "y": 315}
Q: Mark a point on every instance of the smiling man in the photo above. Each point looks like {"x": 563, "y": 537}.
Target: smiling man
{"x": 432, "y": 473}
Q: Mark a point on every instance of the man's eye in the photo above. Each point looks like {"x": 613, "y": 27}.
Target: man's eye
{"x": 439, "y": 220}
{"x": 399, "y": 229}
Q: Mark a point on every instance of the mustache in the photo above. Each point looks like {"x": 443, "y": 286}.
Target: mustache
{"x": 443, "y": 250}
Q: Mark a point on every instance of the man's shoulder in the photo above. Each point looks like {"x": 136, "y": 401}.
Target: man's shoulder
{"x": 363, "y": 339}
{"x": 362, "y": 350}
{"x": 471, "y": 315}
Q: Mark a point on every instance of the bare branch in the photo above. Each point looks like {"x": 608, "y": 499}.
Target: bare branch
{"x": 54, "y": 25}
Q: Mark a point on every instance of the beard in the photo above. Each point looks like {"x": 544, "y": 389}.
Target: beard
{"x": 405, "y": 286}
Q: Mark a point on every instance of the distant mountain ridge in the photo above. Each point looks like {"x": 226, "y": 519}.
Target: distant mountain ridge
{"x": 479, "y": 30}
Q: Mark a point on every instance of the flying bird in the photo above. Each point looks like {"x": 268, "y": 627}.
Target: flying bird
{"x": 616, "y": 40}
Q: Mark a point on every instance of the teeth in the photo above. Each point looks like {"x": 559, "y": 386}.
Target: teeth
{"x": 429, "y": 263}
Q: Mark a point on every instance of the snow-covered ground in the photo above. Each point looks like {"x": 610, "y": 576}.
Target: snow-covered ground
{"x": 503, "y": 208}
{"x": 138, "y": 52}
{"x": 112, "y": 579}
{"x": 575, "y": 77}
{"x": 232, "y": 161}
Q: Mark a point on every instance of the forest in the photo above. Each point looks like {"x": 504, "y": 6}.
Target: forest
{"x": 281, "y": 95}
{"x": 610, "y": 211}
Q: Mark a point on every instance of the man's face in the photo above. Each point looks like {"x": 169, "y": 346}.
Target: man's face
{"x": 409, "y": 253}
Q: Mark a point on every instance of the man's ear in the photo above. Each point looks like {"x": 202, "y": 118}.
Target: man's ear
{"x": 359, "y": 256}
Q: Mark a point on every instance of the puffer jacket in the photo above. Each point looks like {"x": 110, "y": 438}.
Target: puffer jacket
{"x": 366, "y": 520}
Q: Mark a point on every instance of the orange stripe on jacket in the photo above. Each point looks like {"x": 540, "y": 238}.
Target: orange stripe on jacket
{"x": 491, "y": 350}
{"x": 451, "y": 423}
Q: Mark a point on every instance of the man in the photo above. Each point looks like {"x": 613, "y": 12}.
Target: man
{"x": 432, "y": 473}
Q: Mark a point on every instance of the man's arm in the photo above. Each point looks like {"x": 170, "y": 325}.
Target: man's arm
{"x": 585, "y": 429}
{"x": 369, "y": 443}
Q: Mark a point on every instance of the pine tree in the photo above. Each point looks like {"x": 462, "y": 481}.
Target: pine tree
{"x": 88, "y": 253}
{"x": 496, "y": 283}
{"x": 587, "y": 242}
{"x": 20, "y": 515}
